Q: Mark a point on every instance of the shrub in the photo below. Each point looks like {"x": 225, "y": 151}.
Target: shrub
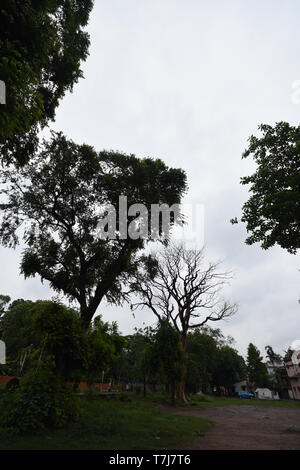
{"x": 43, "y": 400}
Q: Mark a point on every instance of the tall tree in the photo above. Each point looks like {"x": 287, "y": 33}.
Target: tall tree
{"x": 42, "y": 44}
{"x": 104, "y": 348}
{"x": 169, "y": 354}
{"x": 277, "y": 373}
{"x": 212, "y": 361}
{"x": 177, "y": 285}
{"x": 257, "y": 370}
{"x": 35, "y": 331}
{"x": 201, "y": 353}
{"x": 59, "y": 198}
{"x": 272, "y": 213}
{"x": 229, "y": 367}
{"x": 136, "y": 364}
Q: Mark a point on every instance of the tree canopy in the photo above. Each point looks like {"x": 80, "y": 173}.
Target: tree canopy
{"x": 229, "y": 367}
{"x": 35, "y": 332}
{"x": 56, "y": 202}
{"x": 257, "y": 370}
{"x": 42, "y": 44}
{"x": 212, "y": 361}
{"x": 168, "y": 354}
{"x": 272, "y": 212}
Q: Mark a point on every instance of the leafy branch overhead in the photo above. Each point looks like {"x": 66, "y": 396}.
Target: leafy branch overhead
{"x": 42, "y": 45}
{"x": 272, "y": 212}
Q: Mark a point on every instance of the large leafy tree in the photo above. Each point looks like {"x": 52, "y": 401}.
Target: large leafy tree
{"x": 105, "y": 345}
{"x": 16, "y": 328}
{"x": 57, "y": 201}
{"x": 168, "y": 355}
{"x": 42, "y": 44}
{"x": 229, "y": 367}
{"x": 36, "y": 331}
{"x": 212, "y": 361}
{"x": 201, "y": 349}
{"x": 272, "y": 212}
{"x": 136, "y": 363}
{"x": 152, "y": 356}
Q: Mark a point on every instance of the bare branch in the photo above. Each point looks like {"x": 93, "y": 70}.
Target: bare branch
{"x": 186, "y": 290}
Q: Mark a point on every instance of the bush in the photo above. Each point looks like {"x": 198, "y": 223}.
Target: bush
{"x": 43, "y": 400}
{"x": 195, "y": 399}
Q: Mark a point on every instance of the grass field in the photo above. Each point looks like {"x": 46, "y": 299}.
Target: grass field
{"x": 115, "y": 424}
{"x": 209, "y": 401}
{"x": 131, "y": 422}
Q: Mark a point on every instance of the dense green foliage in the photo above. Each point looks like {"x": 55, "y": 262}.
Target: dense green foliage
{"x": 35, "y": 332}
{"x": 104, "y": 347}
{"x": 229, "y": 368}
{"x": 169, "y": 356}
{"x": 201, "y": 356}
{"x": 257, "y": 370}
{"x": 272, "y": 213}
{"x": 49, "y": 349}
{"x": 43, "y": 400}
{"x": 59, "y": 198}
{"x": 135, "y": 365}
{"x": 152, "y": 356}
{"x": 156, "y": 357}
{"x": 212, "y": 362}
{"x": 42, "y": 44}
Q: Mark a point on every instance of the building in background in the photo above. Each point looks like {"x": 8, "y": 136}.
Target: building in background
{"x": 279, "y": 378}
{"x": 292, "y": 365}
{"x": 266, "y": 394}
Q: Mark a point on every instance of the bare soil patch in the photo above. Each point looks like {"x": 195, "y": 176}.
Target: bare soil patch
{"x": 248, "y": 427}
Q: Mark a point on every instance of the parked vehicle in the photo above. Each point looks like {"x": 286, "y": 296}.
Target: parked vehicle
{"x": 245, "y": 394}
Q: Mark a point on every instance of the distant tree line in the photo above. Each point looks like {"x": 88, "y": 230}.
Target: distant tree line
{"x": 42, "y": 331}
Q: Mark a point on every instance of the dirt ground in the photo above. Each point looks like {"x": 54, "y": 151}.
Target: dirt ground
{"x": 249, "y": 427}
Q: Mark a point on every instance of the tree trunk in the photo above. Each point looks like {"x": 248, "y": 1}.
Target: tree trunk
{"x": 180, "y": 386}
{"x": 180, "y": 391}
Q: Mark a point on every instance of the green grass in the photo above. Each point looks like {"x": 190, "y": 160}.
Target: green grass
{"x": 114, "y": 424}
{"x": 207, "y": 401}
{"x": 131, "y": 422}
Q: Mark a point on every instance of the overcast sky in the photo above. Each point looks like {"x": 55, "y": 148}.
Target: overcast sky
{"x": 188, "y": 82}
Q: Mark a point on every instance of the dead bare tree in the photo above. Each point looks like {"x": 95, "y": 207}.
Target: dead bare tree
{"x": 178, "y": 285}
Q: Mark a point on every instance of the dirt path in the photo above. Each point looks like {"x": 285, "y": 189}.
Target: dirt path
{"x": 249, "y": 427}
